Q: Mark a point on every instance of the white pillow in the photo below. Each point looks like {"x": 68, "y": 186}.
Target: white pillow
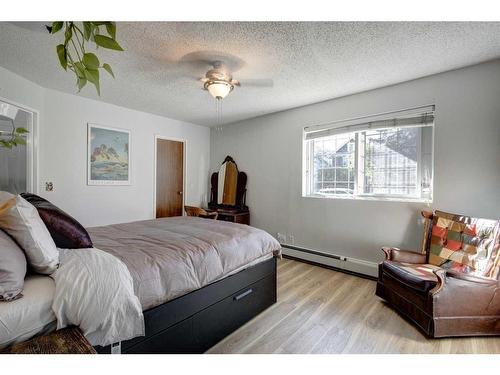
{"x": 21, "y": 220}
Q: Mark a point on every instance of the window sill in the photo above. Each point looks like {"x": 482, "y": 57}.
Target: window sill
{"x": 371, "y": 198}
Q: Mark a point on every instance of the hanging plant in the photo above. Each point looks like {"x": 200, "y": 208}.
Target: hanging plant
{"x": 73, "y": 55}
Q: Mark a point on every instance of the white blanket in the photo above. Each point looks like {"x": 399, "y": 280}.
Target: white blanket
{"x": 94, "y": 291}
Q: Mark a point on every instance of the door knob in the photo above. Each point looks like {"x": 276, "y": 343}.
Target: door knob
{"x": 180, "y": 192}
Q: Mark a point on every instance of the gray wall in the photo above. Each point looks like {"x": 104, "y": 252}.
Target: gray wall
{"x": 466, "y": 165}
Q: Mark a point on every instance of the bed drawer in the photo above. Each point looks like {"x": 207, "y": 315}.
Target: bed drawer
{"x": 219, "y": 320}
{"x": 196, "y": 321}
{"x": 204, "y": 329}
{"x": 177, "y": 339}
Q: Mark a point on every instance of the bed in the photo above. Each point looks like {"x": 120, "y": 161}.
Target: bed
{"x": 29, "y": 316}
{"x": 197, "y": 280}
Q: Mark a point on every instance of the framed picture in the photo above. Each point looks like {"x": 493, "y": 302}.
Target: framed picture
{"x": 108, "y": 160}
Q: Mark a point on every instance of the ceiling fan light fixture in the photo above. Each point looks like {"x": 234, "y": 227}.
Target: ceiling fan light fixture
{"x": 219, "y": 89}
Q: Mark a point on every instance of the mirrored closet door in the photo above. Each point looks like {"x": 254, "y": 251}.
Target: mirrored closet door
{"x": 16, "y": 149}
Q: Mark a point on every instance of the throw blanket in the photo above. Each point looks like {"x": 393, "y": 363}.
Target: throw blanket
{"x": 94, "y": 290}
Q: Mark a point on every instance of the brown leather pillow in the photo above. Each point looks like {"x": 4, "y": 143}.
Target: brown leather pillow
{"x": 66, "y": 232}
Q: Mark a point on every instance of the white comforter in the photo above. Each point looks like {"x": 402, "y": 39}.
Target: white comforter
{"x": 94, "y": 290}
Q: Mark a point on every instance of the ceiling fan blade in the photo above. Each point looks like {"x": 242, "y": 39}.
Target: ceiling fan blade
{"x": 206, "y": 59}
{"x": 256, "y": 82}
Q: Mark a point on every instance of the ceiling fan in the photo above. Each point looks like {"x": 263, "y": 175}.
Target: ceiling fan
{"x": 219, "y": 81}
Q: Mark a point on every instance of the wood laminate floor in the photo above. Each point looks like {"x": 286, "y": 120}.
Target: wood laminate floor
{"x": 324, "y": 311}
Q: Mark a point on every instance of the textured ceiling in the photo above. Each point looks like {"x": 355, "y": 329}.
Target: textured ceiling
{"x": 309, "y": 62}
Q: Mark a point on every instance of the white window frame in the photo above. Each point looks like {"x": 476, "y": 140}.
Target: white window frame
{"x": 359, "y": 165}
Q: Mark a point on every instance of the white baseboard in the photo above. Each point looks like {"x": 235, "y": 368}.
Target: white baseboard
{"x": 338, "y": 261}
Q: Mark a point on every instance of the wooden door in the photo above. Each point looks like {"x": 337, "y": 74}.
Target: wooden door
{"x": 169, "y": 178}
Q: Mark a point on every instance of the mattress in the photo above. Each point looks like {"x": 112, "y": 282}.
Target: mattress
{"x": 170, "y": 257}
{"x": 30, "y": 315}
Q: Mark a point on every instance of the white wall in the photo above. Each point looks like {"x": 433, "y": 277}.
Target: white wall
{"x": 20, "y": 90}
{"x": 466, "y": 167}
{"x": 63, "y": 153}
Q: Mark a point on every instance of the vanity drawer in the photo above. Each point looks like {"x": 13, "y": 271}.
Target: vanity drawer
{"x": 240, "y": 217}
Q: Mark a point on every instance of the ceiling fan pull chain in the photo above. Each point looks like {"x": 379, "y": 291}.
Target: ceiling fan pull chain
{"x": 220, "y": 114}
{"x": 217, "y": 113}
{"x": 218, "y": 109}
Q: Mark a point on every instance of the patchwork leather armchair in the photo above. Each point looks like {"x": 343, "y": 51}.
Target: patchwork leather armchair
{"x": 451, "y": 287}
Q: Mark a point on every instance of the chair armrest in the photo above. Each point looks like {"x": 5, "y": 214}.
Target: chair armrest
{"x": 210, "y": 215}
{"x": 458, "y": 294}
{"x": 427, "y": 214}
{"x": 406, "y": 256}
{"x": 447, "y": 276}
{"x": 472, "y": 278}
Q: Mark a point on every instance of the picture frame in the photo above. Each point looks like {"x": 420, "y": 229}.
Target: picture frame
{"x": 108, "y": 155}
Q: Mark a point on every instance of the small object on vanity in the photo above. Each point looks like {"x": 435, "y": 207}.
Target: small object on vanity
{"x": 64, "y": 341}
{"x": 228, "y": 193}
{"x": 200, "y": 212}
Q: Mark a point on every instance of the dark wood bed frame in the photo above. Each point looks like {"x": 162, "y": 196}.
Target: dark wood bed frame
{"x": 198, "y": 320}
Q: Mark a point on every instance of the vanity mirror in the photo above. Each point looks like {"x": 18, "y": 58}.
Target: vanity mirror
{"x": 228, "y": 193}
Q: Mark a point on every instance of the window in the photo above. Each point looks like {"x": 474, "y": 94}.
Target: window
{"x": 389, "y": 158}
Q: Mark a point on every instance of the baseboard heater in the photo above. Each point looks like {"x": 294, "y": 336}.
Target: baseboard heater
{"x": 342, "y": 263}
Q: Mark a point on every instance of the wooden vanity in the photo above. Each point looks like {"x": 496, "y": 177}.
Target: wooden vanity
{"x": 228, "y": 193}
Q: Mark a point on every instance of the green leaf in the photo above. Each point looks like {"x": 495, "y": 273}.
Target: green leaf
{"x": 91, "y": 61}
{"x": 97, "y": 23}
{"x": 6, "y": 144}
{"x": 19, "y": 141}
{"x": 111, "y": 29}
{"x": 21, "y": 130}
{"x": 80, "y": 69}
{"x": 87, "y": 30}
{"x": 97, "y": 87}
{"x": 81, "y": 82}
{"x": 93, "y": 77}
{"x": 68, "y": 35}
{"x": 56, "y": 26}
{"x": 107, "y": 68}
{"x": 107, "y": 42}
{"x": 62, "y": 54}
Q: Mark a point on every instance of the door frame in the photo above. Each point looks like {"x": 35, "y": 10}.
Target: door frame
{"x": 33, "y": 145}
{"x": 184, "y": 161}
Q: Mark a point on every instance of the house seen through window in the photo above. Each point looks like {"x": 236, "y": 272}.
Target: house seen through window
{"x": 389, "y": 158}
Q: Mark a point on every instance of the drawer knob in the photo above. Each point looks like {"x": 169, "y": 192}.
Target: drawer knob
{"x": 243, "y": 295}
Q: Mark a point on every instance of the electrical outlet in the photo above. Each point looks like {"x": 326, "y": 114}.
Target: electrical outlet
{"x": 49, "y": 186}
{"x": 281, "y": 237}
{"x": 291, "y": 239}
